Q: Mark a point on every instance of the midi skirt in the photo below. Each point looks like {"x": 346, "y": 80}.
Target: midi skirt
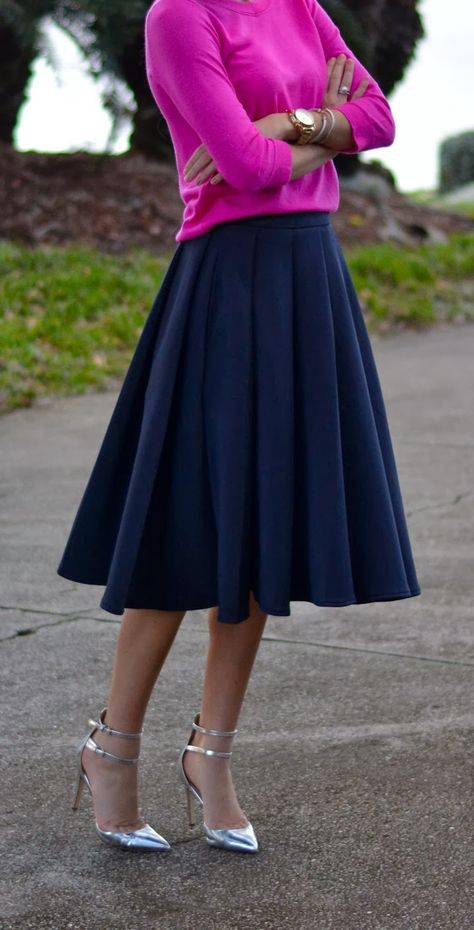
{"x": 249, "y": 447}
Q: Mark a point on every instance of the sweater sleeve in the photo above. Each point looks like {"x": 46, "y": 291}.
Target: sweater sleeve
{"x": 370, "y": 116}
{"x": 182, "y": 55}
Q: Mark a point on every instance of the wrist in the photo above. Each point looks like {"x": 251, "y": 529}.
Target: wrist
{"x": 289, "y": 132}
{"x": 326, "y": 120}
{"x": 318, "y": 123}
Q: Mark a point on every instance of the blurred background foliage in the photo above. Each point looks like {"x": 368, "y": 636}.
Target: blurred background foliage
{"x": 71, "y": 313}
{"x": 456, "y": 165}
{"x": 382, "y": 33}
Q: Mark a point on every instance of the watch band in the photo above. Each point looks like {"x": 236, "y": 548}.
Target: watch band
{"x": 305, "y": 132}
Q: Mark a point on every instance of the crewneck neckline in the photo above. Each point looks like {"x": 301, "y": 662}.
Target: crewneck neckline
{"x": 249, "y": 8}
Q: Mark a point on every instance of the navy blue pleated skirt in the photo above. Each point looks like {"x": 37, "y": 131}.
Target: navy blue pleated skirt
{"x": 249, "y": 448}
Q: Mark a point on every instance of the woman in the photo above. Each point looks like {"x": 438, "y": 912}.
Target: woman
{"x": 248, "y": 460}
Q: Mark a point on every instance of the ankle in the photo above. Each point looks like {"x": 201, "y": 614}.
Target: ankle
{"x": 216, "y": 739}
{"x": 118, "y": 746}
{"x": 215, "y": 743}
{"x": 106, "y": 741}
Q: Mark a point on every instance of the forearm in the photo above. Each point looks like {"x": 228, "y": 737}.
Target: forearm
{"x": 341, "y": 137}
{"x": 306, "y": 158}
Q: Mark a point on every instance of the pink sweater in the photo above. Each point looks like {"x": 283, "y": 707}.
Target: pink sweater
{"x": 214, "y": 66}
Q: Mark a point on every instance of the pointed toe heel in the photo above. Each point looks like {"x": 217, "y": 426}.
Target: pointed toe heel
{"x": 241, "y": 839}
{"x": 234, "y": 839}
{"x": 145, "y": 838}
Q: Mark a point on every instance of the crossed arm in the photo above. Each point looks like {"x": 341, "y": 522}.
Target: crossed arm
{"x": 340, "y": 70}
{"x": 205, "y": 97}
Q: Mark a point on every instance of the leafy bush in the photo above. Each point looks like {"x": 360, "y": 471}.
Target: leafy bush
{"x": 456, "y": 161}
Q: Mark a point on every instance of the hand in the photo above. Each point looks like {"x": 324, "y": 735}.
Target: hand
{"x": 201, "y": 165}
{"x": 340, "y": 71}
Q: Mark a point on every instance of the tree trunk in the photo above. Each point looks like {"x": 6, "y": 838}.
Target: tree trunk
{"x": 17, "y": 61}
{"x": 150, "y": 133}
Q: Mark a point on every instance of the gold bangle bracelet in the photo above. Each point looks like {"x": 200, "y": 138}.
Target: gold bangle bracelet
{"x": 324, "y": 132}
{"x": 321, "y": 131}
{"x": 333, "y": 122}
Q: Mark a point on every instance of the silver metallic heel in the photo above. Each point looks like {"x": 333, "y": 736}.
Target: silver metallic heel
{"x": 236, "y": 839}
{"x": 144, "y": 839}
{"x": 80, "y": 789}
{"x": 191, "y": 806}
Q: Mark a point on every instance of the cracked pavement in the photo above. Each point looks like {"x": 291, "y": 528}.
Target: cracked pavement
{"x": 355, "y": 749}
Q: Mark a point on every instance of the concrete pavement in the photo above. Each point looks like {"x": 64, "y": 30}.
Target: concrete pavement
{"x": 355, "y": 748}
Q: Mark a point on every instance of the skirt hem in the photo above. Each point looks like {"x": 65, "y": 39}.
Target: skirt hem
{"x": 365, "y": 599}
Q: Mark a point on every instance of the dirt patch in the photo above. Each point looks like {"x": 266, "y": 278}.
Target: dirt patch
{"x": 115, "y": 202}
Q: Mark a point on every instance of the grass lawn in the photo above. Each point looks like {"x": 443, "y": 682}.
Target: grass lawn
{"x": 418, "y": 286}
{"x": 70, "y": 318}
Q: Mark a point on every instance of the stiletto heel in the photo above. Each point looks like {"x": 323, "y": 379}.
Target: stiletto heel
{"x": 145, "y": 838}
{"x": 80, "y": 789}
{"x": 191, "y": 807}
{"x": 236, "y": 839}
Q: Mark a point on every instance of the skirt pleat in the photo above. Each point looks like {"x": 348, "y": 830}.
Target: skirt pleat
{"x": 249, "y": 447}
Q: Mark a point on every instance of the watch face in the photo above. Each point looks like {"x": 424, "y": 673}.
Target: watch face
{"x": 304, "y": 117}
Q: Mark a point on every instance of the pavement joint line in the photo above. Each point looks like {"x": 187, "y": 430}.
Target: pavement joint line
{"x": 377, "y": 652}
{"x": 29, "y": 631}
{"x": 38, "y": 610}
{"x": 449, "y": 503}
{"x": 268, "y": 639}
{"x": 87, "y": 616}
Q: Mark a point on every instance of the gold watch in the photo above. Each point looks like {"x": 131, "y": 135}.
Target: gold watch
{"x": 305, "y": 124}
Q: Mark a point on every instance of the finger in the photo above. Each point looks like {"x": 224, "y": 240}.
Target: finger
{"x": 217, "y": 177}
{"x": 330, "y": 66}
{"x": 361, "y": 88}
{"x": 336, "y": 75}
{"x": 199, "y": 164}
{"x": 346, "y": 81}
{"x": 190, "y": 164}
{"x": 338, "y": 67}
{"x": 348, "y": 73}
{"x": 330, "y": 70}
{"x": 205, "y": 173}
{"x": 195, "y": 155}
{"x": 332, "y": 96}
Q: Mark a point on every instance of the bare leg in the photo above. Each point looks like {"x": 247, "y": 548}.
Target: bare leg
{"x": 231, "y": 653}
{"x": 144, "y": 641}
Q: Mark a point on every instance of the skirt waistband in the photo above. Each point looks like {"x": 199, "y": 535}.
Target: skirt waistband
{"x": 293, "y": 219}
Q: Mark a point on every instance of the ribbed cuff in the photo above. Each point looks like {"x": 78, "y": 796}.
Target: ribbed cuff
{"x": 352, "y": 115}
{"x": 282, "y": 164}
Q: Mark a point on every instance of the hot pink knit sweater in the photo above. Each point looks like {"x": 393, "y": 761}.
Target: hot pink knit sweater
{"x": 214, "y": 66}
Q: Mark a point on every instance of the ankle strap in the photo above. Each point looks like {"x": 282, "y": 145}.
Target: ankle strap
{"x": 104, "y": 727}
{"x": 208, "y": 752}
{"x": 197, "y": 726}
{"x": 91, "y": 744}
